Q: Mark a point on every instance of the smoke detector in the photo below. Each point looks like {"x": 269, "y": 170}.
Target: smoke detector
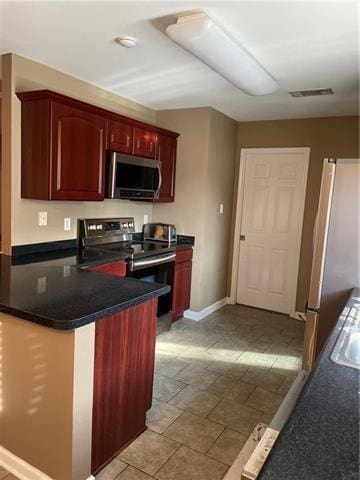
{"x": 312, "y": 93}
{"x": 126, "y": 41}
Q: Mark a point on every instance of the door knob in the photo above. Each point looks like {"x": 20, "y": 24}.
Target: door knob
{"x": 242, "y": 237}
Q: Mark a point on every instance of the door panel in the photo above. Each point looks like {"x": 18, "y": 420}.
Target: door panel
{"x": 120, "y": 137}
{"x": 273, "y": 199}
{"x": 166, "y": 154}
{"x": 78, "y": 153}
{"x": 144, "y": 143}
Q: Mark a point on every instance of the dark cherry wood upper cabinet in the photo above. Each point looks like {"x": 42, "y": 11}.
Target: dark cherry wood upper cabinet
{"x": 64, "y": 143}
{"x": 78, "y": 154}
{"x": 63, "y": 148}
{"x": 166, "y": 154}
{"x": 120, "y": 136}
{"x": 182, "y": 282}
{"x": 144, "y": 143}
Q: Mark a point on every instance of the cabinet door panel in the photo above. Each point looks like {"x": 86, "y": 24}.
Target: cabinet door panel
{"x": 144, "y": 143}
{"x": 182, "y": 289}
{"x": 77, "y": 155}
{"x": 166, "y": 154}
{"x": 120, "y": 137}
{"x": 123, "y": 378}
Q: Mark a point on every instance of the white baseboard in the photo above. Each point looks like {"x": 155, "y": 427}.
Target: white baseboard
{"x": 299, "y": 316}
{"x": 205, "y": 311}
{"x": 20, "y": 468}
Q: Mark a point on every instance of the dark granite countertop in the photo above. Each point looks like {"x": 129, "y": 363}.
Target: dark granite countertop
{"x": 82, "y": 258}
{"x": 53, "y": 290}
{"x": 321, "y": 439}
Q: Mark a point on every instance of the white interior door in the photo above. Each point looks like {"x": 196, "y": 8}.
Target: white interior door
{"x": 273, "y": 185}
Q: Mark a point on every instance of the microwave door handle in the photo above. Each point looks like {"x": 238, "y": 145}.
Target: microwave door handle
{"x": 157, "y": 193}
{"x": 112, "y": 175}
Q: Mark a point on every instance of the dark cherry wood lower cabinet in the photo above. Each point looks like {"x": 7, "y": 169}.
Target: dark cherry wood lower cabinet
{"x": 115, "y": 268}
{"x": 123, "y": 379}
{"x": 182, "y": 282}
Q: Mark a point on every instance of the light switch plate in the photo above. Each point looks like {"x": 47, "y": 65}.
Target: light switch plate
{"x": 221, "y": 208}
{"x": 67, "y": 223}
{"x": 42, "y": 219}
{"x": 146, "y": 219}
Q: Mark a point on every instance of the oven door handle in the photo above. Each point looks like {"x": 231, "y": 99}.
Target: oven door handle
{"x": 135, "y": 264}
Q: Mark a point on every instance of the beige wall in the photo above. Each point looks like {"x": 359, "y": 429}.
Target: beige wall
{"x": 20, "y": 74}
{"x": 46, "y": 396}
{"x": 188, "y": 210}
{"x": 219, "y": 189}
{"x": 326, "y": 137}
{"x": 204, "y": 179}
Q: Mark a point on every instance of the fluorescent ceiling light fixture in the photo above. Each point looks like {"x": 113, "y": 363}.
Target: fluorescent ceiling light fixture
{"x": 199, "y": 35}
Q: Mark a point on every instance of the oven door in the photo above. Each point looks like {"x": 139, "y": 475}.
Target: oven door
{"x": 132, "y": 177}
{"x": 156, "y": 269}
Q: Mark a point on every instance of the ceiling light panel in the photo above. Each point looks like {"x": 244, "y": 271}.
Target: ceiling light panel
{"x": 199, "y": 35}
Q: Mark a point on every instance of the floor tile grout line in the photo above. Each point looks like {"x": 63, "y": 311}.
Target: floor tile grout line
{"x": 178, "y": 447}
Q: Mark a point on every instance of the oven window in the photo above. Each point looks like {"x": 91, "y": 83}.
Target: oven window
{"x": 163, "y": 273}
{"x": 137, "y": 177}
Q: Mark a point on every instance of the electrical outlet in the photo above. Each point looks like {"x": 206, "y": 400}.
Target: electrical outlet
{"x": 146, "y": 219}
{"x": 67, "y": 223}
{"x": 221, "y": 208}
{"x": 42, "y": 220}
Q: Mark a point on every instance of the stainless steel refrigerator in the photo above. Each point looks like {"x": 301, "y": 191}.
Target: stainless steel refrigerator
{"x": 336, "y": 252}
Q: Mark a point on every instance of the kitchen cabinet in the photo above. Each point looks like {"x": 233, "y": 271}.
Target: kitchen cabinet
{"x": 166, "y": 154}
{"x": 120, "y": 136}
{"x": 115, "y": 268}
{"x": 182, "y": 282}
{"x": 144, "y": 143}
{"x": 123, "y": 378}
{"x": 64, "y": 143}
{"x": 63, "y": 150}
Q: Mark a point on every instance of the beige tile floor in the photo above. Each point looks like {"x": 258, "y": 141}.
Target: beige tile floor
{"x": 214, "y": 381}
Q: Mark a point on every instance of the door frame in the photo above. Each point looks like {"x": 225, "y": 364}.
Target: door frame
{"x": 238, "y": 218}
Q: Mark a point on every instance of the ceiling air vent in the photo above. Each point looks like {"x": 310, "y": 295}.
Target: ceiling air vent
{"x": 312, "y": 93}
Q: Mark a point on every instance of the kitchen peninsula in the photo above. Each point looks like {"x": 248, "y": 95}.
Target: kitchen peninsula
{"x": 77, "y": 362}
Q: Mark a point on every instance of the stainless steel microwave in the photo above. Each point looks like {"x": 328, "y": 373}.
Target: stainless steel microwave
{"x": 131, "y": 177}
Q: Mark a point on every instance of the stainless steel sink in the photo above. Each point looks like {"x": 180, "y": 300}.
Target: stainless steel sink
{"x": 347, "y": 348}
{"x": 352, "y": 351}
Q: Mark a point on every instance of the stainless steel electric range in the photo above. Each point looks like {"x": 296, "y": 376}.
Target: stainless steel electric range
{"x": 150, "y": 261}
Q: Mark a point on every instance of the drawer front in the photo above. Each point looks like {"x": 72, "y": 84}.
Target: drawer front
{"x": 184, "y": 255}
{"x": 115, "y": 268}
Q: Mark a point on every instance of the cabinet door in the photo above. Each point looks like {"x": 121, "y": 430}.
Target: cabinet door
{"x": 182, "y": 289}
{"x": 144, "y": 143}
{"x": 166, "y": 154}
{"x": 120, "y": 137}
{"x": 123, "y": 378}
{"x": 77, "y": 153}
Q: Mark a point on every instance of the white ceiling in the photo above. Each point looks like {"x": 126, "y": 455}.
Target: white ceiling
{"x": 302, "y": 44}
